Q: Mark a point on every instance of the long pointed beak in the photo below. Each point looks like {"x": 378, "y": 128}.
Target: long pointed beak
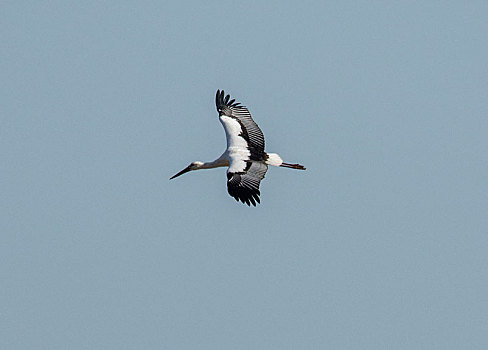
{"x": 187, "y": 169}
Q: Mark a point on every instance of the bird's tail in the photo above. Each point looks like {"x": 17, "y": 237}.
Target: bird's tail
{"x": 293, "y": 166}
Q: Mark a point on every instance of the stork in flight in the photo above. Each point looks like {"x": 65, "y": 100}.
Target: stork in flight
{"x": 245, "y": 155}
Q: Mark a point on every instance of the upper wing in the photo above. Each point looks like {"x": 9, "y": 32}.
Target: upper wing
{"x": 240, "y": 129}
{"x": 244, "y": 185}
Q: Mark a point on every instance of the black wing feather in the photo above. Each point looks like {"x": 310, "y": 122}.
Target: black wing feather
{"x": 244, "y": 186}
{"x": 250, "y": 130}
{"x": 222, "y": 101}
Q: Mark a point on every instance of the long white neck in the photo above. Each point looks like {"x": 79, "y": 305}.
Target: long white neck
{"x": 215, "y": 164}
{"x": 219, "y": 162}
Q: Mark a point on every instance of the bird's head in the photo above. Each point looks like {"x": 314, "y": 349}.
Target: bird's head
{"x": 193, "y": 166}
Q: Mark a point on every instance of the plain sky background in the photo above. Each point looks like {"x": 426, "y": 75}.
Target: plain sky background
{"x": 381, "y": 244}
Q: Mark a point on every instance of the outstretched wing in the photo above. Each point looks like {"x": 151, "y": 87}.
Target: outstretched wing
{"x": 244, "y": 185}
{"x": 241, "y": 131}
{"x": 245, "y": 150}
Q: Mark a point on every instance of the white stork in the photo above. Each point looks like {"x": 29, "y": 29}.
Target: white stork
{"x": 245, "y": 155}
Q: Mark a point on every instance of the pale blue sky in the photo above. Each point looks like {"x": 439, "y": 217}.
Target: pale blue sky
{"x": 381, "y": 244}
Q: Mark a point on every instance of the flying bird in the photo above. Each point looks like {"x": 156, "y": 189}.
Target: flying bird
{"x": 245, "y": 155}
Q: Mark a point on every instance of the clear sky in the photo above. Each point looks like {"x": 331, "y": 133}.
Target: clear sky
{"x": 381, "y": 244}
